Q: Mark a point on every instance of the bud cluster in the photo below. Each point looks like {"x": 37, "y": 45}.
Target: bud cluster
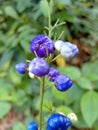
{"x": 43, "y": 47}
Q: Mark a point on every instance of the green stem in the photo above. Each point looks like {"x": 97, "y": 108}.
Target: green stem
{"x": 42, "y": 84}
{"x": 49, "y": 20}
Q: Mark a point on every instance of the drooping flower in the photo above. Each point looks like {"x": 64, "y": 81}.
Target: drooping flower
{"x": 58, "y": 121}
{"x": 21, "y": 68}
{"x": 63, "y": 82}
{"x": 39, "y": 67}
{"x": 42, "y": 45}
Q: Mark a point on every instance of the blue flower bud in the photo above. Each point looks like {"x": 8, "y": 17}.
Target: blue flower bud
{"x": 58, "y": 121}
{"x": 52, "y": 74}
{"x": 32, "y": 126}
{"x": 42, "y": 45}
{"x": 69, "y": 51}
{"x": 21, "y": 68}
{"x": 39, "y": 67}
{"x": 63, "y": 82}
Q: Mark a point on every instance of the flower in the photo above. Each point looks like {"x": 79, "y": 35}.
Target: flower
{"x": 58, "y": 121}
{"x": 58, "y": 44}
{"x": 69, "y": 51}
{"x": 63, "y": 82}
{"x": 21, "y": 68}
{"x": 42, "y": 45}
{"x": 39, "y": 67}
{"x": 52, "y": 74}
{"x": 32, "y": 126}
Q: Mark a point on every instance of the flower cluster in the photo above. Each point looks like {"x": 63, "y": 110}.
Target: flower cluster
{"x": 43, "y": 47}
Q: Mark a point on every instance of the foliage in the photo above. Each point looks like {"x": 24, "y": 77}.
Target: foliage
{"x": 82, "y": 97}
{"x": 20, "y": 21}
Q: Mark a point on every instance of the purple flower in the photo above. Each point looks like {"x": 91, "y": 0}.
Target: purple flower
{"x": 42, "y": 45}
{"x": 58, "y": 122}
{"x": 62, "y": 82}
{"x": 39, "y": 67}
{"x": 21, "y": 68}
{"x": 53, "y": 73}
{"x": 69, "y": 51}
{"x": 32, "y": 126}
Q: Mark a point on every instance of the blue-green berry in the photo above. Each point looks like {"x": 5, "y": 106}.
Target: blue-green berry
{"x": 58, "y": 121}
{"x": 42, "y": 45}
{"x": 21, "y": 68}
{"x": 63, "y": 82}
{"x": 32, "y": 126}
{"x": 39, "y": 67}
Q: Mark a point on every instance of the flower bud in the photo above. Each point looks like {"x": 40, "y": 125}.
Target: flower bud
{"x": 42, "y": 45}
{"x": 69, "y": 51}
{"x": 21, "y": 68}
{"x": 52, "y": 74}
{"x": 63, "y": 82}
{"x": 58, "y": 44}
{"x": 58, "y": 121}
{"x": 39, "y": 67}
{"x": 32, "y": 126}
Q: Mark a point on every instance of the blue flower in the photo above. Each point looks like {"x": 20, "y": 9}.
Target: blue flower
{"x": 32, "y": 126}
{"x": 69, "y": 51}
{"x": 63, "y": 82}
{"x": 58, "y": 121}
{"x": 42, "y": 45}
{"x": 52, "y": 74}
{"x": 21, "y": 68}
{"x": 39, "y": 67}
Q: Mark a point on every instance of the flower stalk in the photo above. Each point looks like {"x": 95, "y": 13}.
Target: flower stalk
{"x": 42, "y": 85}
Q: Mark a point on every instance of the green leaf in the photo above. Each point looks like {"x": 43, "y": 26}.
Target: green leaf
{"x": 89, "y": 107}
{"x": 25, "y": 45}
{"x": 64, "y": 2}
{"x": 90, "y": 72}
{"x": 4, "y": 108}
{"x": 74, "y": 90}
{"x": 58, "y": 94}
{"x": 72, "y": 72}
{"x": 84, "y": 83}
{"x": 64, "y": 109}
{"x": 10, "y": 11}
{"x": 19, "y": 126}
{"x": 44, "y": 7}
{"x": 6, "y": 57}
{"x": 22, "y": 5}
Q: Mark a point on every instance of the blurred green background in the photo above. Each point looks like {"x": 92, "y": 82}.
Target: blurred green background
{"x": 20, "y": 22}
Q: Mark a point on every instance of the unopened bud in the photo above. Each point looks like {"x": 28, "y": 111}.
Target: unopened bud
{"x": 72, "y": 117}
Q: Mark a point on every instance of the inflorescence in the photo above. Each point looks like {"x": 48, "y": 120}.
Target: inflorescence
{"x": 43, "y": 47}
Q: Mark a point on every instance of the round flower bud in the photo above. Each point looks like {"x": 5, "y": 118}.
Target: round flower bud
{"x": 72, "y": 117}
{"x": 58, "y": 121}
{"x": 62, "y": 82}
{"x": 39, "y": 67}
{"x": 42, "y": 45}
{"x": 58, "y": 44}
{"x": 32, "y": 126}
{"x": 69, "y": 51}
{"x": 53, "y": 73}
{"x": 21, "y": 68}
